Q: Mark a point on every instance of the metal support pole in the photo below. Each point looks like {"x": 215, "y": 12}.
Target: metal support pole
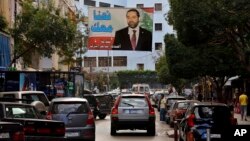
{"x": 175, "y": 131}
{"x": 208, "y": 134}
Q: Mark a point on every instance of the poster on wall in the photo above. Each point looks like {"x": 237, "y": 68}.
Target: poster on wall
{"x": 120, "y": 29}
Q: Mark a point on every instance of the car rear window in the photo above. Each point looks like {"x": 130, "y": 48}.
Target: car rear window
{"x": 183, "y": 105}
{"x": 170, "y": 101}
{"x": 202, "y": 112}
{"x": 133, "y": 102}
{"x": 67, "y": 107}
{"x": 104, "y": 98}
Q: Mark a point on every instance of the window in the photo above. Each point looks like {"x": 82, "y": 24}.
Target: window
{"x": 139, "y": 5}
{"x": 89, "y": 2}
{"x": 140, "y": 66}
{"x": 158, "y": 27}
{"x": 102, "y": 4}
{"x": 89, "y": 62}
{"x": 120, "y": 61}
{"x": 158, "y": 46}
{"x": 104, "y": 61}
{"x": 158, "y": 7}
{"x": 118, "y": 6}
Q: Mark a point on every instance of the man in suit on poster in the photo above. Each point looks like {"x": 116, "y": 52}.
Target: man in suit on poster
{"x": 133, "y": 37}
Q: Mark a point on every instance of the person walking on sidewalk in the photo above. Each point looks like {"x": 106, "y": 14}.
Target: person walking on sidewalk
{"x": 162, "y": 104}
{"x": 243, "y": 100}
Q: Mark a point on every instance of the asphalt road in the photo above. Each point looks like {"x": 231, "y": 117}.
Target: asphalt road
{"x": 103, "y": 132}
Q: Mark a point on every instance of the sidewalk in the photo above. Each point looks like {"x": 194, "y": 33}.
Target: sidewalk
{"x": 242, "y": 122}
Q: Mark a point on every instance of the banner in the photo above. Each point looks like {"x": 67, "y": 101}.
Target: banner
{"x": 105, "y": 22}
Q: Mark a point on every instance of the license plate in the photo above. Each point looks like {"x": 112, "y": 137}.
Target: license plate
{"x": 72, "y": 134}
{"x": 212, "y": 136}
{"x": 4, "y": 135}
{"x": 132, "y": 111}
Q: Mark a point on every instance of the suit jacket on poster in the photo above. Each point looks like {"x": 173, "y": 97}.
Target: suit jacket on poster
{"x": 122, "y": 40}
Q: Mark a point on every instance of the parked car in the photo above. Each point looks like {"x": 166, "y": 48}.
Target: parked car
{"x": 100, "y": 104}
{"x": 77, "y": 116}
{"x": 11, "y": 131}
{"x": 35, "y": 127}
{"x": 133, "y": 111}
{"x": 201, "y": 116}
{"x": 171, "y": 99}
{"x": 177, "y": 111}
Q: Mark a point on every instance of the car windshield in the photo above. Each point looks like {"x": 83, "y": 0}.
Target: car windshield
{"x": 18, "y": 111}
{"x": 134, "y": 102}
{"x": 69, "y": 107}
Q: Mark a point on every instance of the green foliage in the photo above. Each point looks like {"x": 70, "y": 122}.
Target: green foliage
{"x": 147, "y": 22}
{"x": 127, "y": 78}
{"x": 212, "y": 39}
{"x": 40, "y": 30}
{"x": 3, "y": 23}
{"x": 217, "y": 23}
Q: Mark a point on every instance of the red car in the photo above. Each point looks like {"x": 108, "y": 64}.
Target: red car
{"x": 177, "y": 110}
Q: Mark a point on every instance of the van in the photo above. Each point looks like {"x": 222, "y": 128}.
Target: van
{"x": 141, "y": 89}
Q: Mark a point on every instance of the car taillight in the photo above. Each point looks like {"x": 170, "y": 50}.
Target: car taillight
{"x": 234, "y": 121}
{"x": 60, "y": 131}
{"x": 114, "y": 111}
{"x": 91, "y": 119}
{"x": 49, "y": 116}
{"x": 18, "y": 136}
{"x": 29, "y": 130}
{"x": 190, "y": 120}
{"x": 151, "y": 111}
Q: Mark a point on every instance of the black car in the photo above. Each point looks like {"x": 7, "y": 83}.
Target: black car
{"x": 100, "y": 104}
{"x": 201, "y": 116}
{"x": 35, "y": 127}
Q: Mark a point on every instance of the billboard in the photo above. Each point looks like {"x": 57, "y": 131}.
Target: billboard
{"x": 120, "y": 29}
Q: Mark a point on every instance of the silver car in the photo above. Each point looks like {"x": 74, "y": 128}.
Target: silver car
{"x": 133, "y": 111}
{"x": 77, "y": 116}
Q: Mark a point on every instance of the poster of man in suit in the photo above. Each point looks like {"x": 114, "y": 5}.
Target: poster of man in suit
{"x": 120, "y": 29}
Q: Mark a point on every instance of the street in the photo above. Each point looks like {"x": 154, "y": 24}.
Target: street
{"x": 103, "y": 132}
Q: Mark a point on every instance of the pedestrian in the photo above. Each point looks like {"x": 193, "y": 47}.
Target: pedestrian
{"x": 243, "y": 100}
{"x": 162, "y": 104}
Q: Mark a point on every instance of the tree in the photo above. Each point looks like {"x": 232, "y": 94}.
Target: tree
{"x": 68, "y": 54}
{"x": 3, "y": 23}
{"x": 128, "y": 77}
{"x": 207, "y": 34}
{"x": 41, "y": 30}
